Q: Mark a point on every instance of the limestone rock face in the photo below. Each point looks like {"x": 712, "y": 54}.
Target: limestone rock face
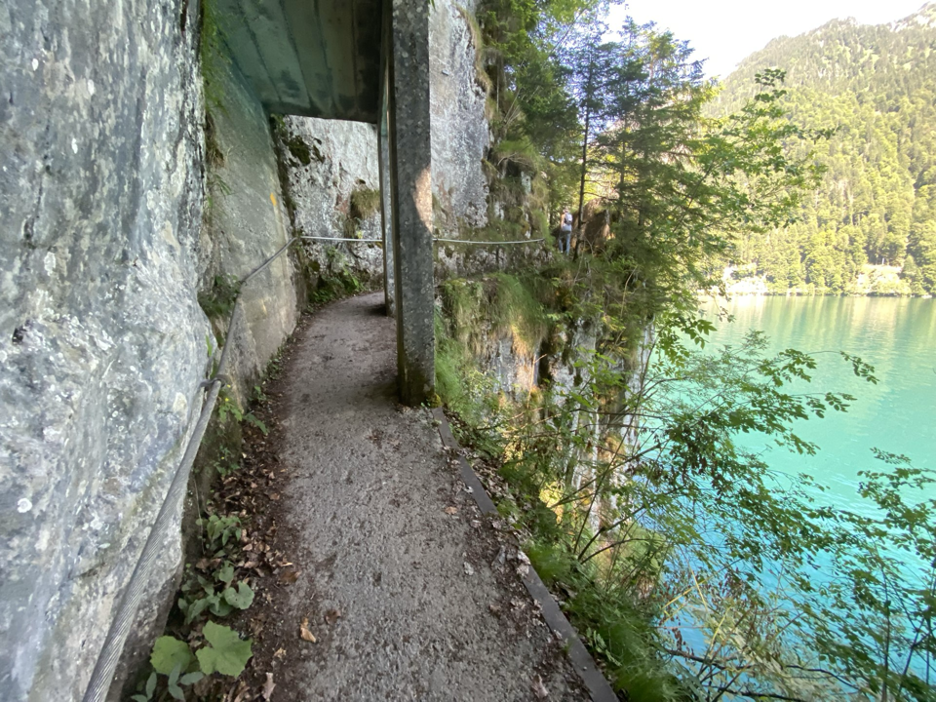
{"x": 102, "y": 341}
{"x": 460, "y": 131}
{"x": 246, "y": 224}
{"x": 332, "y": 173}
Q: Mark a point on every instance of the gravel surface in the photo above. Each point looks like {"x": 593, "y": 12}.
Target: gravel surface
{"x": 405, "y": 587}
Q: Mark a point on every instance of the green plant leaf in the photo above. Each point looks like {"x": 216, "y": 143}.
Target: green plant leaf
{"x": 176, "y": 692}
{"x": 140, "y": 698}
{"x": 250, "y": 418}
{"x": 225, "y": 574}
{"x": 151, "y": 685}
{"x": 196, "y": 608}
{"x": 191, "y": 678}
{"x": 240, "y": 598}
{"x": 227, "y": 653}
{"x": 218, "y": 606}
{"x": 168, "y": 653}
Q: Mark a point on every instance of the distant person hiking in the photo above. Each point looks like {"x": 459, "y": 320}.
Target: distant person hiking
{"x": 565, "y": 231}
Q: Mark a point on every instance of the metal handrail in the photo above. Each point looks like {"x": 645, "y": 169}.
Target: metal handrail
{"x": 102, "y": 676}
{"x": 111, "y": 650}
{"x": 452, "y": 241}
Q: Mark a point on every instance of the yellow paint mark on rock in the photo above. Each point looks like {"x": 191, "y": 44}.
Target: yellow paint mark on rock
{"x": 273, "y": 199}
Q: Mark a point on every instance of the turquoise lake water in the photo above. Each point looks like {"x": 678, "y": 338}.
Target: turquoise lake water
{"x": 895, "y": 335}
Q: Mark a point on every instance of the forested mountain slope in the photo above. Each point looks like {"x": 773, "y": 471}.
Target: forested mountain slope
{"x": 876, "y": 85}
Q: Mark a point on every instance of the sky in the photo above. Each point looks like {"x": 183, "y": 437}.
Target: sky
{"x": 726, "y": 31}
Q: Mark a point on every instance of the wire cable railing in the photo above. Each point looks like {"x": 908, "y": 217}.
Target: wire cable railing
{"x": 111, "y": 650}
{"x": 451, "y": 241}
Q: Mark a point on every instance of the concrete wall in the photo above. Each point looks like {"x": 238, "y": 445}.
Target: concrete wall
{"x": 102, "y": 339}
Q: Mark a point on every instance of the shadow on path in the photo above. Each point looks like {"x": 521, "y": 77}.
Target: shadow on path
{"x": 399, "y": 575}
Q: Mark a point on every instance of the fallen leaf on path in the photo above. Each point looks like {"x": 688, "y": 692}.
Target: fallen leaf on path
{"x": 289, "y": 576}
{"x": 451, "y": 510}
{"x": 331, "y": 616}
{"x": 237, "y": 694}
{"x": 280, "y": 653}
{"x": 495, "y": 610}
{"x": 304, "y": 631}
{"x": 203, "y": 687}
{"x": 539, "y": 689}
{"x": 268, "y": 686}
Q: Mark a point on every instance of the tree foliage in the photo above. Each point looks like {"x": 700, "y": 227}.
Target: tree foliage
{"x": 876, "y": 204}
{"x": 692, "y": 569}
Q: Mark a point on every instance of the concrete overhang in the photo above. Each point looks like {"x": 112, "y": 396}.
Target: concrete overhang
{"x": 315, "y": 58}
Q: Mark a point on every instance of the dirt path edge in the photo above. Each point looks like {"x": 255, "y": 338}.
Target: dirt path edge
{"x": 594, "y": 680}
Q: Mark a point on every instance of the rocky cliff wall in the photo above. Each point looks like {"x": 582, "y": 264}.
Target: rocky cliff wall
{"x": 102, "y": 337}
{"x": 246, "y": 223}
{"x": 460, "y": 131}
{"x": 328, "y": 164}
{"x": 332, "y": 182}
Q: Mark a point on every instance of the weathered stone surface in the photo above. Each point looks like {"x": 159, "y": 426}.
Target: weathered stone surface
{"x": 246, "y": 224}
{"x": 461, "y": 135}
{"x": 101, "y": 337}
{"x": 327, "y": 163}
{"x": 102, "y": 340}
{"x": 466, "y": 260}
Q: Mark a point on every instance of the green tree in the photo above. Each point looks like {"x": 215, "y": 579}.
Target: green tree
{"x": 875, "y": 86}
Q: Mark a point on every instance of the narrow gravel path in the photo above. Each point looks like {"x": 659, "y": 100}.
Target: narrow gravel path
{"x": 400, "y": 580}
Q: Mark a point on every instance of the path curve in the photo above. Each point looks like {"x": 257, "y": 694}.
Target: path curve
{"x": 400, "y": 582}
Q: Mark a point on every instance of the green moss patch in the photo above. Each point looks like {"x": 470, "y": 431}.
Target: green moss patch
{"x": 365, "y": 202}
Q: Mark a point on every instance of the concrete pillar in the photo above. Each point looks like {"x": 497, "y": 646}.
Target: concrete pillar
{"x": 407, "y": 58}
{"x": 386, "y": 218}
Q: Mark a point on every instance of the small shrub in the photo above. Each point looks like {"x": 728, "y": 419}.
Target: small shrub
{"x": 518, "y": 310}
{"x": 298, "y": 148}
{"x": 539, "y": 222}
{"x": 218, "y": 300}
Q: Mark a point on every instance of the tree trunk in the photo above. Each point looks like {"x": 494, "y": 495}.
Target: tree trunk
{"x": 581, "y": 203}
